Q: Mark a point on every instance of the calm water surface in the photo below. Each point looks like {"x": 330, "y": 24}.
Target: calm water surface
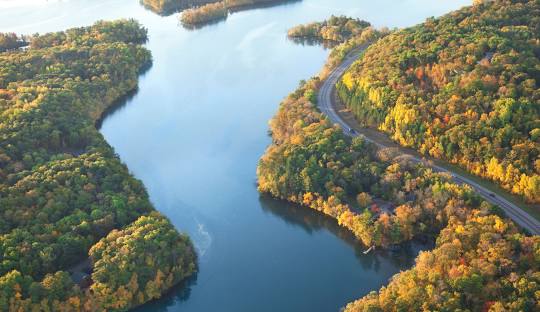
{"x": 194, "y": 131}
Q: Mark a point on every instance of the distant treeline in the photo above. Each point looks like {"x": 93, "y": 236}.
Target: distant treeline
{"x": 204, "y": 14}
{"x": 167, "y": 7}
{"x": 10, "y": 41}
{"x": 336, "y": 28}
{"x": 203, "y": 11}
{"x": 65, "y": 196}
{"x": 218, "y": 10}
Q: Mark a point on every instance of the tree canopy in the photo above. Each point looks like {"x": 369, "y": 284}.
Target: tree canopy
{"x": 213, "y": 10}
{"x": 9, "y": 41}
{"x": 167, "y": 7}
{"x": 481, "y": 261}
{"x": 336, "y": 28}
{"x": 463, "y": 88}
{"x": 62, "y": 187}
{"x": 315, "y": 164}
{"x": 480, "y": 264}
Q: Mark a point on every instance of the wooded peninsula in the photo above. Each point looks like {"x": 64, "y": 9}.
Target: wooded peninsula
{"x": 66, "y": 198}
{"x": 481, "y": 260}
{"x": 218, "y": 10}
{"x": 200, "y": 12}
{"x": 168, "y": 7}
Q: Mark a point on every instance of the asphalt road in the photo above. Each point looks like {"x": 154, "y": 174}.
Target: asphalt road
{"x": 327, "y": 106}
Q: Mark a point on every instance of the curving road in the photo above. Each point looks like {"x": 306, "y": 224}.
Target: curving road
{"x": 326, "y": 105}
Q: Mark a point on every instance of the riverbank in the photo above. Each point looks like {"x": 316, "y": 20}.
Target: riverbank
{"x": 168, "y": 7}
{"x": 305, "y": 165}
{"x": 199, "y": 16}
{"x": 312, "y": 163}
{"x": 194, "y": 140}
{"x": 66, "y": 196}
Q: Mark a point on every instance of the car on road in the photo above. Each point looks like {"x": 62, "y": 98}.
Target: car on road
{"x": 492, "y": 195}
{"x": 351, "y": 130}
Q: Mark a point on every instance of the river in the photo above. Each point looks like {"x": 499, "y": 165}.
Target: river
{"x": 194, "y": 131}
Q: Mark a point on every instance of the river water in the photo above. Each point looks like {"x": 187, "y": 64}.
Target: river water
{"x": 194, "y": 131}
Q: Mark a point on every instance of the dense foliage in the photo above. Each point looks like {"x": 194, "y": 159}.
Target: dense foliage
{"x": 62, "y": 188}
{"x": 336, "y": 28}
{"x": 166, "y": 7}
{"x": 481, "y": 261}
{"x": 198, "y": 11}
{"x": 481, "y": 264}
{"x": 53, "y": 214}
{"x": 9, "y": 41}
{"x": 219, "y": 9}
{"x": 313, "y": 163}
{"x": 348, "y": 34}
{"x": 463, "y": 87}
{"x": 140, "y": 262}
{"x": 204, "y": 14}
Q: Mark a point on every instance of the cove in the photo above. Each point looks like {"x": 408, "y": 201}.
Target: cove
{"x": 194, "y": 131}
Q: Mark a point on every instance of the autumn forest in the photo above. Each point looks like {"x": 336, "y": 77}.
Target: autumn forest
{"x": 156, "y": 213}
{"x": 66, "y": 198}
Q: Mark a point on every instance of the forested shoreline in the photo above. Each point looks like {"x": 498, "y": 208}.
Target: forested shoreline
{"x": 79, "y": 233}
{"x": 168, "y": 7}
{"x": 481, "y": 260}
{"x": 337, "y": 29}
{"x": 196, "y": 13}
{"x": 218, "y": 10}
{"x": 65, "y": 196}
{"x": 463, "y": 88}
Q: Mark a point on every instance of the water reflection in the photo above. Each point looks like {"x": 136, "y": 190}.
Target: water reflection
{"x": 116, "y": 106}
{"x": 313, "y": 221}
{"x": 263, "y": 5}
{"x": 190, "y": 4}
{"x": 195, "y": 131}
{"x": 124, "y": 100}
{"x": 176, "y": 295}
{"x": 202, "y": 25}
{"x": 327, "y": 44}
{"x": 240, "y": 9}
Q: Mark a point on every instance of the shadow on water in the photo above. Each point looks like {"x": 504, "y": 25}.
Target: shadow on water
{"x": 239, "y": 9}
{"x": 123, "y": 100}
{"x": 169, "y": 10}
{"x": 307, "y": 41}
{"x": 187, "y": 4}
{"x": 263, "y": 5}
{"x": 193, "y": 27}
{"x": 312, "y": 221}
{"x": 173, "y": 296}
{"x": 116, "y": 106}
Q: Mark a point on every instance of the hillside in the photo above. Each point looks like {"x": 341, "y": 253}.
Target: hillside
{"x": 463, "y": 88}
